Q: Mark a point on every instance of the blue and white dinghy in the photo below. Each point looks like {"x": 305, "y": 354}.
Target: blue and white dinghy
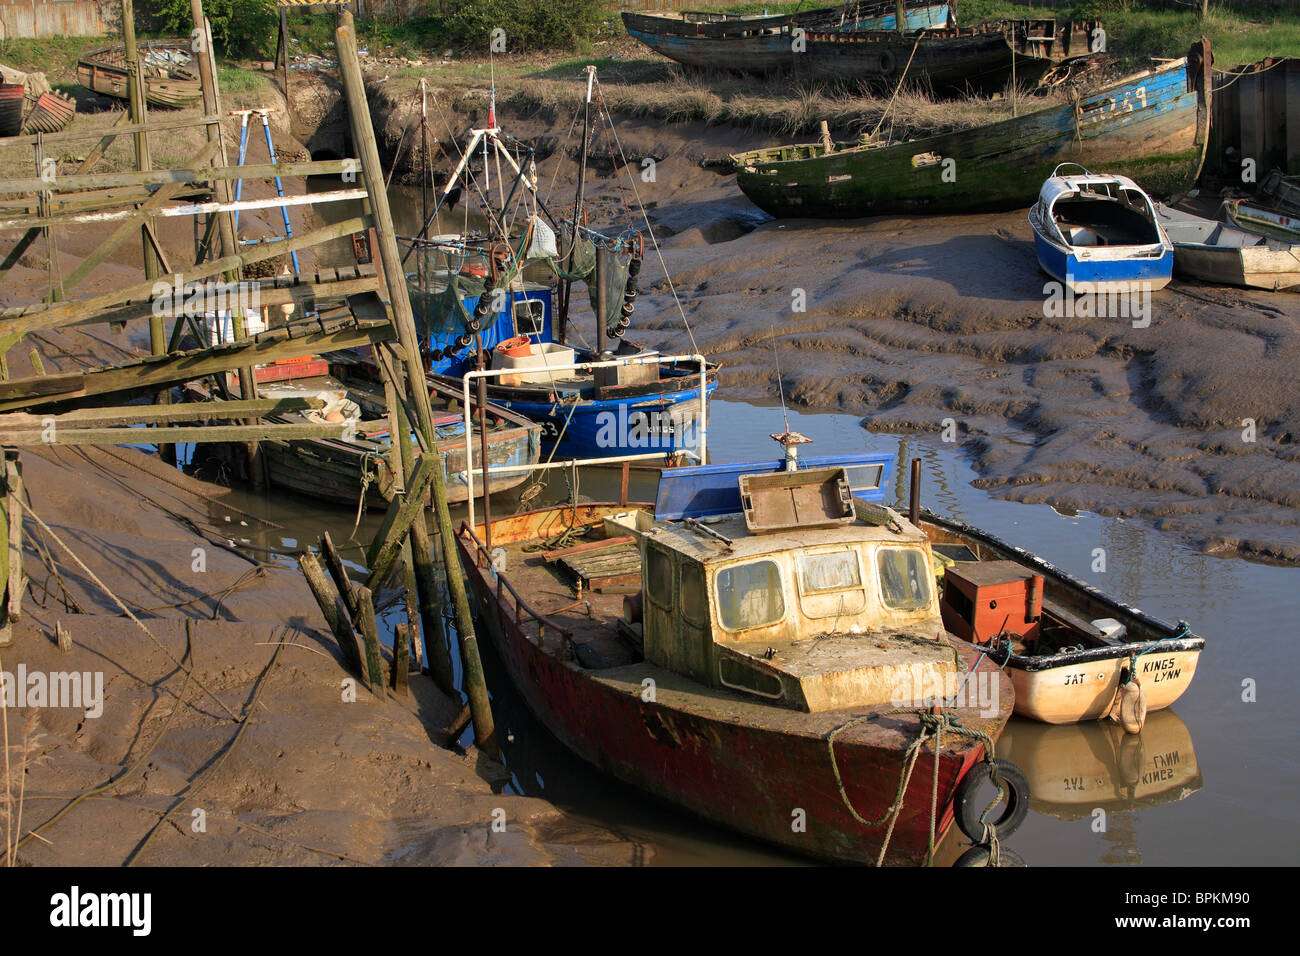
{"x": 1098, "y": 233}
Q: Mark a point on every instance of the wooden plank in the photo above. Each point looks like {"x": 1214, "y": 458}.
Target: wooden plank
{"x": 550, "y": 556}
{"x": 159, "y": 414}
{"x": 153, "y": 373}
{"x": 189, "y": 174}
{"x": 328, "y": 601}
{"x": 120, "y": 129}
{"x": 185, "y": 209}
{"x": 172, "y": 435}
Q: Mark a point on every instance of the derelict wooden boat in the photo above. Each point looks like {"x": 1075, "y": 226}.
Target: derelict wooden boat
{"x": 759, "y": 42}
{"x": 1213, "y": 251}
{"x": 1075, "y": 768}
{"x": 344, "y": 470}
{"x": 1152, "y": 127}
{"x": 171, "y": 78}
{"x": 947, "y": 57}
{"x": 1099, "y": 233}
{"x": 744, "y": 661}
{"x": 1067, "y": 646}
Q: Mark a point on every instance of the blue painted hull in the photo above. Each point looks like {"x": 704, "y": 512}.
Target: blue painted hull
{"x": 663, "y": 422}
{"x": 1103, "y": 275}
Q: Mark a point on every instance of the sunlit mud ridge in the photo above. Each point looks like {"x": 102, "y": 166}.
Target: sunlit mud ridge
{"x": 941, "y": 325}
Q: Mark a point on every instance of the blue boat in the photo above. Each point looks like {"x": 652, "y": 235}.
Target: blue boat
{"x": 638, "y": 409}
{"x": 481, "y": 306}
{"x": 1099, "y": 234}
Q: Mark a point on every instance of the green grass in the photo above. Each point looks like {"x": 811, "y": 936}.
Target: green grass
{"x": 236, "y": 79}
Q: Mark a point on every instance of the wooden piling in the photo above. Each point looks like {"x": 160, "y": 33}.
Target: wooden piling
{"x": 62, "y": 637}
{"x": 401, "y": 657}
{"x": 370, "y": 635}
{"x": 336, "y": 616}
{"x": 363, "y": 135}
{"x": 339, "y": 572}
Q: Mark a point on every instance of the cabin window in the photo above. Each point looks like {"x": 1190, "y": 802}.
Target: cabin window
{"x": 904, "y": 578}
{"x": 530, "y": 316}
{"x": 830, "y": 584}
{"x": 833, "y": 571}
{"x": 659, "y": 576}
{"x": 695, "y": 600}
{"x": 750, "y": 595}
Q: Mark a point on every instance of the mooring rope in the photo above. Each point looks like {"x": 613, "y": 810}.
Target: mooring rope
{"x": 932, "y": 726}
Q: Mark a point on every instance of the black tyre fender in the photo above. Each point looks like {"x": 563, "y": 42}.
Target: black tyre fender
{"x": 979, "y": 856}
{"x": 968, "y": 805}
{"x": 886, "y": 63}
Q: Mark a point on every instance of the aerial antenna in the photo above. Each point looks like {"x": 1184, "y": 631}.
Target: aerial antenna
{"x": 787, "y": 439}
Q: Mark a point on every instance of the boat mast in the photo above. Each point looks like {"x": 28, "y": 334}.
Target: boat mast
{"x": 567, "y": 292}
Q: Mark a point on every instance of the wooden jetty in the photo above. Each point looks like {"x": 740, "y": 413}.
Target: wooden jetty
{"x": 350, "y": 308}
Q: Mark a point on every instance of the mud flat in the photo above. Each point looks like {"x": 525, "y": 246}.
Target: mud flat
{"x": 1189, "y": 423}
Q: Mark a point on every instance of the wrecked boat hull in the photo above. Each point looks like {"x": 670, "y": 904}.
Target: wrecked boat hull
{"x": 1152, "y": 127}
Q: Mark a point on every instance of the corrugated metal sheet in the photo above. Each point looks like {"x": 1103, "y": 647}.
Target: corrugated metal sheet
{"x": 28, "y": 19}
{"x": 1257, "y": 116}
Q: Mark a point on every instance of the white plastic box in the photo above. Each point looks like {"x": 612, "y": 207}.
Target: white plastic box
{"x": 533, "y": 367}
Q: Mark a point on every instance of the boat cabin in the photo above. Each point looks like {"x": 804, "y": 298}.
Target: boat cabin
{"x": 802, "y": 598}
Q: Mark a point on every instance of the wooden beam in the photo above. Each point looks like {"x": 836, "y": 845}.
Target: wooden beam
{"x": 401, "y": 514}
{"x": 156, "y": 372}
{"x": 157, "y": 414}
{"x": 173, "y": 434}
{"x": 185, "y": 209}
{"x": 159, "y": 177}
{"x": 267, "y": 295}
{"x": 121, "y": 129}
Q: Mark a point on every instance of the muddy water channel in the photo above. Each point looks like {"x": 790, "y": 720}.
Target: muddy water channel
{"x": 1210, "y": 781}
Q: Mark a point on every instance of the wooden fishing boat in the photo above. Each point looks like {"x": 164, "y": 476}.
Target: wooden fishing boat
{"x": 475, "y": 304}
{"x": 1075, "y": 769}
{"x": 1213, "y": 251}
{"x": 759, "y": 42}
{"x": 948, "y": 58}
{"x": 1070, "y": 649}
{"x": 756, "y": 650}
{"x": 1098, "y": 233}
{"x": 347, "y": 471}
{"x": 171, "y": 78}
{"x": 1152, "y": 127}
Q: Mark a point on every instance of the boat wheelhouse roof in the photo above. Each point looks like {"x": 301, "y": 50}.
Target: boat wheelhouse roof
{"x": 688, "y": 540}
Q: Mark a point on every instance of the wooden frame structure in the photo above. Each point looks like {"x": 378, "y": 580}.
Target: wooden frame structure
{"x": 370, "y": 307}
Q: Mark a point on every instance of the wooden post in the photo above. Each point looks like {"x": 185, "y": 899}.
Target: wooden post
{"x": 370, "y": 634}
{"x": 14, "y": 576}
{"x": 328, "y": 600}
{"x": 143, "y": 163}
{"x": 6, "y": 506}
{"x": 363, "y": 135}
{"x": 339, "y": 572}
{"x": 401, "y": 657}
{"x": 900, "y": 14}
{"x": 282, "y": 51}
{"x": 914, "y": 494}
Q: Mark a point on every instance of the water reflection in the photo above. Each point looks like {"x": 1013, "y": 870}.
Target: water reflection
{"x": 1076, "y": 770}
